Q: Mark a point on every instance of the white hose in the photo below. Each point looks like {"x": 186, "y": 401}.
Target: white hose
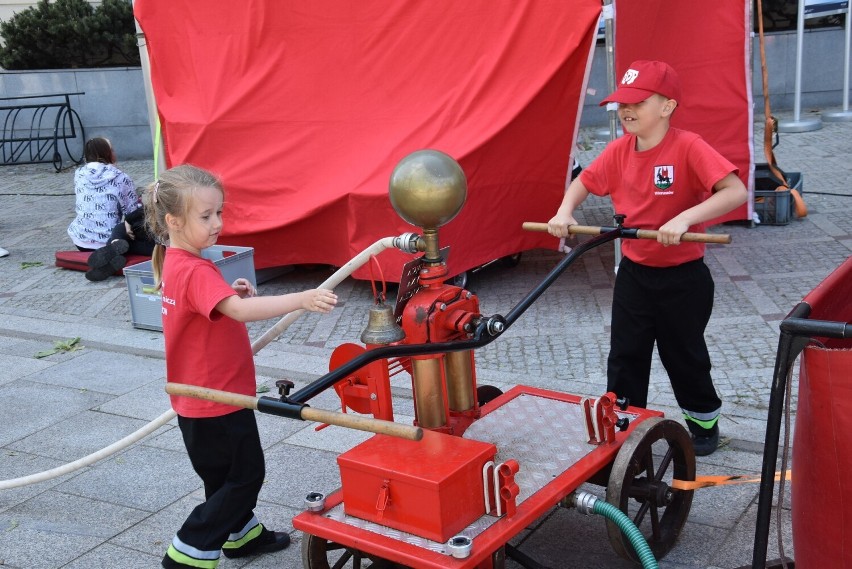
{"x": 335, "y": 279}
{"x": 92, "y": 458}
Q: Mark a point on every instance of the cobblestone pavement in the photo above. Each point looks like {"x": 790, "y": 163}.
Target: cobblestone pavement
{"x": 123, "y": 510}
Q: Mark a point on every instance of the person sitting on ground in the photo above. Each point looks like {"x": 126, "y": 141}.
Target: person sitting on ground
{"x": 104, "y": 196}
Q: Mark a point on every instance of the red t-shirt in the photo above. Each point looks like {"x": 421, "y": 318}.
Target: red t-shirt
{"x": 203, "y": 346}
{"x": 653, "y": 186}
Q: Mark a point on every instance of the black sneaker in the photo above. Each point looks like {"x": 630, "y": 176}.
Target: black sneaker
{"x": 267, "y": 542}
{"x": 706, "y": 445}
{"x": 104, "y": 256}
{"x": 103, "y": 272}
{"x": 169, "y": 563}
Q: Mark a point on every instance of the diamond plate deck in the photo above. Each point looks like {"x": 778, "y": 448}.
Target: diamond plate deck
{"x": 546, "y": 436}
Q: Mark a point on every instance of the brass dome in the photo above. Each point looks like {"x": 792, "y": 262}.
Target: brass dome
{"x": 428, "y": 188}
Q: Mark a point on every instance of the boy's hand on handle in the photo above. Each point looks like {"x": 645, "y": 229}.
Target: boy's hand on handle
{"x": 559, "y": 224}
{"x": 319, "y": 300}
{"x": 244, "y": 288}
{"x": 670, "y": 233}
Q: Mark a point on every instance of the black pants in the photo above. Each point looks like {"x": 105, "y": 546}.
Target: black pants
{"x": 142, "y": 244}
{"x": 226, "y": 453}
{"x": 670, "y": 306}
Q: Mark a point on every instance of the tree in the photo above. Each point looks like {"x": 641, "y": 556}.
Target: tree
{"x": 68, "y": 34}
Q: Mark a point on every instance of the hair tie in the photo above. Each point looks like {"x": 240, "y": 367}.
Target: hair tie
{"x": 156, "y": 189}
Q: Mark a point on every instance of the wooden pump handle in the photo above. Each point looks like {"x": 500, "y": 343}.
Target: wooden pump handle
{"x": 358, "y": 422}
{"x": 723, "y": 238}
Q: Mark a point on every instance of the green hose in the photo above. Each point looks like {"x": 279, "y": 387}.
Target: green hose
{"x": 586, "y": 502}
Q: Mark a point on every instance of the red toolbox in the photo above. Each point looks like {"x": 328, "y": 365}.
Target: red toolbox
{"x": 431, "y": 488}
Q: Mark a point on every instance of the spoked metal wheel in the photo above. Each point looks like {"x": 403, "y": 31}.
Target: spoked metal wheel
{"x": 656, "y": 452}
{"x": 319, "y": 553}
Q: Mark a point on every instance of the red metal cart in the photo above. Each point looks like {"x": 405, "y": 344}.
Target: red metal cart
{"x": 543, "y": 431}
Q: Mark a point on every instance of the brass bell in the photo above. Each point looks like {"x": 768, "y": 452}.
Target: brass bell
{"x": 381, "y": 326}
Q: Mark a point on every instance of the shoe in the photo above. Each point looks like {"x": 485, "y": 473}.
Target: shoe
{"x": 706, "y": 445}
{"x": 268, "y": 542}
{"x": 3, "y": 252}
{"x": 104, "y": 256}
{"x": 169, "y": 563}
{"x": 114, "y": 265}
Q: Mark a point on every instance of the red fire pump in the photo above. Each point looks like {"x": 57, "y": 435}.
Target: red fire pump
{"x": 489, "y": 463}
{"x": 480, "y": 465}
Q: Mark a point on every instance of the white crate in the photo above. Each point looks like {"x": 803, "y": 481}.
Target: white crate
{"x": 146, "y": 303}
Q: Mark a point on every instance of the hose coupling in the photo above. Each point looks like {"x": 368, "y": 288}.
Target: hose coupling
{"x": 459, "y": 546}
{"x": 584, "y": 502}
{"x": 315, "y": 502}
{"x": 409, "y": 243}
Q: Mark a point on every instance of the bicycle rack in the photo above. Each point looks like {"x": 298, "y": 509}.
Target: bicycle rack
{"x": 36, "y": 126}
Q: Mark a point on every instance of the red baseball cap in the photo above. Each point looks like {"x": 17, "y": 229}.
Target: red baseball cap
{"x": 644, "y": 78}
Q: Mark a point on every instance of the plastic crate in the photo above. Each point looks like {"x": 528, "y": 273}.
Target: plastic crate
{"x": 146, "y": 302}
{"x": 774, "y": 207}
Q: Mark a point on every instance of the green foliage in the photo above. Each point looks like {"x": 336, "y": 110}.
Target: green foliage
{"x": 70, "y": 345}
{"x": 70, "y": 33}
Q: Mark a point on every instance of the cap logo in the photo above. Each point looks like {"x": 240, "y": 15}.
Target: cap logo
{"x": 629, "y": 77}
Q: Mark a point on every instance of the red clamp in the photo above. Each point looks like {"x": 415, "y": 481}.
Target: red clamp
{"x": 508, "y": 490}
{"x": 600, "y": 418}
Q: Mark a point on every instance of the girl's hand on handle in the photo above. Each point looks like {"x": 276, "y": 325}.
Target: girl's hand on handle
{"x": 319, "y": 300}
{"x": 244, "y": 288}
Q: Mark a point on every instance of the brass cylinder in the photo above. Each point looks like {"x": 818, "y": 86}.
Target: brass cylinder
{"x": 459, "y": 381}
{"x": 430, "y": 238}
{"x": 428, "y": 395}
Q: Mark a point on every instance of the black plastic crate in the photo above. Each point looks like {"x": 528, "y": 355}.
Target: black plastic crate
{"x": 774, "y": 207}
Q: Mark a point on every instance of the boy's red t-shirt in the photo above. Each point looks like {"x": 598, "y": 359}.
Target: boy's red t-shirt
{"x": 203, "y": 347}
{"x": 650, "y": 187}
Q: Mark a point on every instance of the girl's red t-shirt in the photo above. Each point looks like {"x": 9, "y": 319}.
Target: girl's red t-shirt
{"x": 203, "y": 346}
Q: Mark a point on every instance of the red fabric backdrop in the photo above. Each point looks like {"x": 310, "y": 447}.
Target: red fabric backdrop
{"x": 304, "y": 108}
{"x": 708, "y": 44}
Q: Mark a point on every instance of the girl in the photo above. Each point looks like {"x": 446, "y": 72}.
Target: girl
{"x": 104, "y": 194}
{"x": 207, "y": 344}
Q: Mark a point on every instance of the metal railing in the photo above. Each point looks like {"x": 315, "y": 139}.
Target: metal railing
{"x": 37, "y": 128}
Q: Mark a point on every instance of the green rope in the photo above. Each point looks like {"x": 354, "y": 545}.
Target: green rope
{"x": 157, "y": 150}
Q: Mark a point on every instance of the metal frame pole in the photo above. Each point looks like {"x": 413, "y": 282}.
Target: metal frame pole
{"x": 612, "y": 114}
{"x": 844, "y": 115}
{"x": 153, "y": 114}
{"x": 798, "y": 124}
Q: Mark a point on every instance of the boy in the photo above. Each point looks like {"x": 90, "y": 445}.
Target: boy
{"x": 668, "y": 179}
